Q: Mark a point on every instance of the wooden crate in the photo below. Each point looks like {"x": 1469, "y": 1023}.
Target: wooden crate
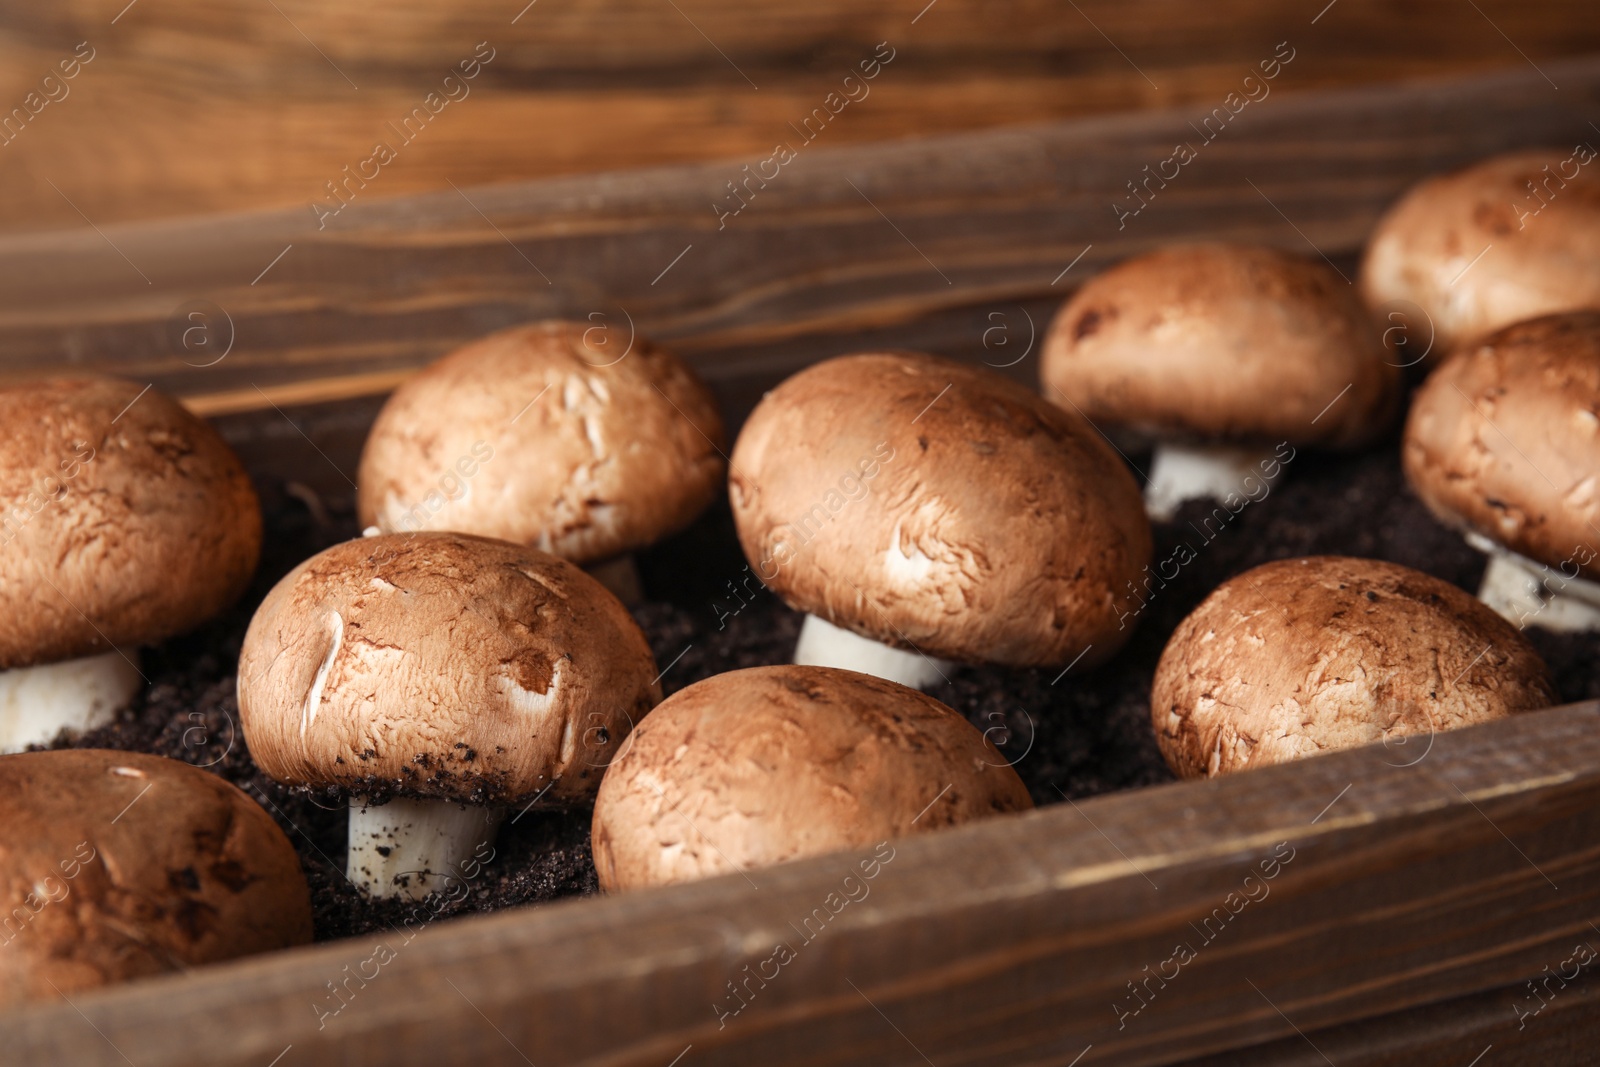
{"x": 1406, "y": 906}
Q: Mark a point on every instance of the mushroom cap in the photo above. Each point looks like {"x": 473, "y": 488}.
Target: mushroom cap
{"x": 442, "y": 665}
{"x": 1302, "y": 656}
{"x": 1504, "y": 440}
{"x": 939, "y": 506}
{"x": 122, "y": 865}
{"x": 537, "y": 436}
{"x": 1222, "y": 342}
{"x": 126, "y": 519}
{"x": 1425, "y": 249}
{"x": 759, "y": 766}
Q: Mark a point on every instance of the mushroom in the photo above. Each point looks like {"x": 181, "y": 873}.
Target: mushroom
{"x": 1508, "y": 238}
{"x": 1220, "y": 355}
{"x": 759, "y": 766}
{"x": 122, "y": 865}
{"x": 433, "y": 679}
{"x": 1303, "y": 656}
{"x": 545, "y": 435}
{"x": 126, "y": 521}
{"x": 1503, "y": 443}
{"x": 921, "y": 510}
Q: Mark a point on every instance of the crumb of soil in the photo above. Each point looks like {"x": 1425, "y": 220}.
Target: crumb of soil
{"x": 1070, "y": 734}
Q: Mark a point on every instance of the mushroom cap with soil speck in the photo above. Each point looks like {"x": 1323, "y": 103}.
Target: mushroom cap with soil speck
{"x": 1504, "y": 440}
{"x": 120, "y": 865}
{"x": 941, "y": 507}
{"x": 547, "y": 435}
{"x": 445, "y": 666}
{"x": 755, "y": 767}
{"x": 126, "y": 519}
{"x": 1303, "y": 656}
{"x": 1224, "y": 343}
{"x": 1480, "y": 248}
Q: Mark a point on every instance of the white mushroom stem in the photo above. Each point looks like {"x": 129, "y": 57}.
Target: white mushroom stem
{"x": 621, "y": 577}
{"x": 1526, "y": 593}
{"x": 1198, "y": 472}
{"x": 75, "y": 695}
{"x": 410, "y": 848}
{"x": 823, "y": 644}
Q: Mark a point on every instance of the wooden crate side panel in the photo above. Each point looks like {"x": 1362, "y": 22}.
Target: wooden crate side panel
{"x": 1006, "y": 943}
{"x": 847, "y": 240}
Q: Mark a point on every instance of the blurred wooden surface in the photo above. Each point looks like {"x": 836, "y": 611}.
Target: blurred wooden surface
{"x": 197, "y": 106}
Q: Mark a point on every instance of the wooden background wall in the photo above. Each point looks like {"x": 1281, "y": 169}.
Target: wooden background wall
{"x": 198, "y": 106}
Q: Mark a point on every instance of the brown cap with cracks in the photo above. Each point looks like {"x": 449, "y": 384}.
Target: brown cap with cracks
{"x": 133, "y": 865}
{"x": 125, "y": 519}
{"x": 544, "y": 436}
{"x": 1545, "y": 235}
{"x": 759, "y": 766}
{"x": 1303, "y": 656}
{"x": 1219, "y": 342}
{"x": 442, "y": 665}
{"x": 935, "y": 505}
{"x": 1504, "y": 440}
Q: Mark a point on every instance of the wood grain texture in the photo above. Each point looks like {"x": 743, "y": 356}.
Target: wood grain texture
{"x": 1481, "y": 1030}
{"x": 841, "y": 241}
{"x": 1005, "y": 943}
{"x": 215, "y": 105}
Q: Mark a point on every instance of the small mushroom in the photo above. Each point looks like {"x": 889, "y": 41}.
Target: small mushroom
{"x": 126, "y": 521}
{"x": 434, "y": 679}
{"x": 1503, "y": 443}
{"x": 119, "y": 865}
{"x": 919, "y": 510}
{"x": 755, "y": 767}
{"x": 1303, "y": 656}
{"x": 1216, "y": 354}
{"x": 550, "y": 435}
{"x": 1509, "y": 238}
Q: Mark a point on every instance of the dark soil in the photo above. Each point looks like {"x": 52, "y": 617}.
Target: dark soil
{"x": 1070, "y": 734}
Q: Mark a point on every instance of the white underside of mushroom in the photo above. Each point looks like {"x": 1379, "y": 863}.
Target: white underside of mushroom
{"x": 1526, "y": 593}
{"x": 410, "y": 848}
{"x": 823, "y": 644}
{"x": 621, "y": 576}
{"x": 75, "y": 695}
{"x": 1180, "y": 472}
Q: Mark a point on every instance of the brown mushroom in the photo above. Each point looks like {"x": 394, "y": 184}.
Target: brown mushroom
{"x": 551, "y": 435}
{"x": 1225, "y": 357}
{"x": 126, "y": 521}
{"x": 121, "y": 865}
{"x": 755, "y": 767}
{"x": 1503, "y": 443}
{"x": 1506, "y": 239}
{"x": 1303, "y": 656}
{"x": 919, "y": 509}
{"x": 447, "y": 675}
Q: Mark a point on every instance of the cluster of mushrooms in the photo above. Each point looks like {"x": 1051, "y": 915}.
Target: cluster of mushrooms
{"x": 474, "y": 654}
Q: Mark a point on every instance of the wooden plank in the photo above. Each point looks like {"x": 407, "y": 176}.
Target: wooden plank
{"x": 1007, "y": 943}
{"x": 966, "y": 222}
{"x": 390, "y": 39}
{"x": 215, "y": 105}
{"x": 1502, "y": 1026}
